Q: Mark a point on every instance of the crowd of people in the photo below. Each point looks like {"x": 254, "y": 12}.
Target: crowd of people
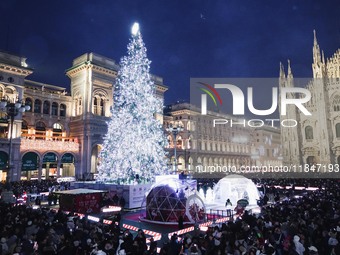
{"x": 298, "y": 223}
{"x": 25, "y": 230}
{"x": 35, "y": 187}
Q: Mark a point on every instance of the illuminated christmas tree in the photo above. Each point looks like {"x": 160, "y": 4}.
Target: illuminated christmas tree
{"x": 134, "y": 143}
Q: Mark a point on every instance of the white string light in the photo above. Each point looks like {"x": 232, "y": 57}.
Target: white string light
{"x": 134, "y": 143}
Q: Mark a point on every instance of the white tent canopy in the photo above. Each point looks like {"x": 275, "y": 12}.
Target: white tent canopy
{"x": 235, "y": 187}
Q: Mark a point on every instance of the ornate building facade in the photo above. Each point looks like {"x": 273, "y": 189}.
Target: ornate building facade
{"x": 202, "y": 145}
{"x": 62, "y": 133}
{"x": 316, "y": 138}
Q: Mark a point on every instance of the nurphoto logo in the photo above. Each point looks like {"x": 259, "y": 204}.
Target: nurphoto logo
{"x": 238, "y": 100}
{"x": 280, "y": 99}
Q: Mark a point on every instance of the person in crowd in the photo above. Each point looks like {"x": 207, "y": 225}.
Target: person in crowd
{"x": 228, "y": 202}
{"x": 3, "y": 246}
{"x": 115, "y": 199}
{"x": 180, "y": 222}
{"x": 174, "y": 245}
{"x": 299, "y": 248}
{"x": 122, "y": 202}
{"x": 141, "y": 240}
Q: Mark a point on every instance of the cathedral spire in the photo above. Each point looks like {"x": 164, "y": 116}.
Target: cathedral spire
{"x": 323, "y": 57}
{"x": 318, "y": 62}
{"x": 316, "y": 50}
{"x": 282, "y": 71}
{"x": 315, "y": 40}
{"x": 289, "y": 71}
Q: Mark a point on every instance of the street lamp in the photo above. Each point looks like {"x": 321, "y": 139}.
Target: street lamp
{"x": 12, "y": 109}
{"x": 175, "y": 130}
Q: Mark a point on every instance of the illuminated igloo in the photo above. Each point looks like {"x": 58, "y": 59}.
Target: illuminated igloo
{"x": 169, "y": 199}
{"x": 235, "y": 187}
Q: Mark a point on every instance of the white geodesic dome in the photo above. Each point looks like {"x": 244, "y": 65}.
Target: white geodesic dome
{"x": 236, "y": 187}
{"x": 167, "y": 200}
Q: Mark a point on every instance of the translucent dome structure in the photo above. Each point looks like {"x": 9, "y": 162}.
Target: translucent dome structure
{"x": 169, "y": 199}
{"x": 235, "y": 187}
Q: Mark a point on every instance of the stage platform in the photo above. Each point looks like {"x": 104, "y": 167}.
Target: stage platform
{"x": 81, "y": 200}
{"x": 133, "y": 194}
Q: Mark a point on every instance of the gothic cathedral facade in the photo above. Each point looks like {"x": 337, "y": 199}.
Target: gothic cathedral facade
{"x": 316, "y": 138}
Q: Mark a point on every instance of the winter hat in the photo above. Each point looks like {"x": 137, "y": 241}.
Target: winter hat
{"x": 313, "y": 248}
{"x": 332, "y": 241}
{"x": 3, "y": 240}
{"x": 296, "y": 238}
{"x": 122, "y": 252}
{"x": 217, "y": 242}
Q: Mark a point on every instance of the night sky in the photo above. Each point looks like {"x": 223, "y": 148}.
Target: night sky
{"x": 184, "y": 39}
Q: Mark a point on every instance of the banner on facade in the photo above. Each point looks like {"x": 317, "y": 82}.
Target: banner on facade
{"x": 67, "y": 158}
{"x": 3, "y": 160}
{"x": 29, "y": 162}
{"x": 50, "y": 157}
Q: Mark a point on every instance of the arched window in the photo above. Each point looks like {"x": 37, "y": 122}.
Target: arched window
{"x": 102, "y": 113}
{"x": 24, "y": 124}
{"x": 62, "y": 110}
{"x": 37, "y": 106}
{"x": 79, "y": 109}
{"x": 57, "y": 129}
{"x": 98, "y": 106}
{"x": 55, "y": 109}
{"x": 9, "y": 91}
{"x": 40, "y": 126}
{"x": 309, "y": 132}
{"x": 179, "y": 142}
{"x": 336, "y": 103}
{"x": 190, "y": 145}
{"x": 24, "y": 128}
{"x": 3, "y": 125}
{"x": 28, "y": 101}
{"x": 57, "y": 126}
{"x": 170, "y": 142}
{"x": 337, "y": 130}
{"x": 40, "y": 130}
{"x": 46, "y": 108}
{"x": 95, "y": 106}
